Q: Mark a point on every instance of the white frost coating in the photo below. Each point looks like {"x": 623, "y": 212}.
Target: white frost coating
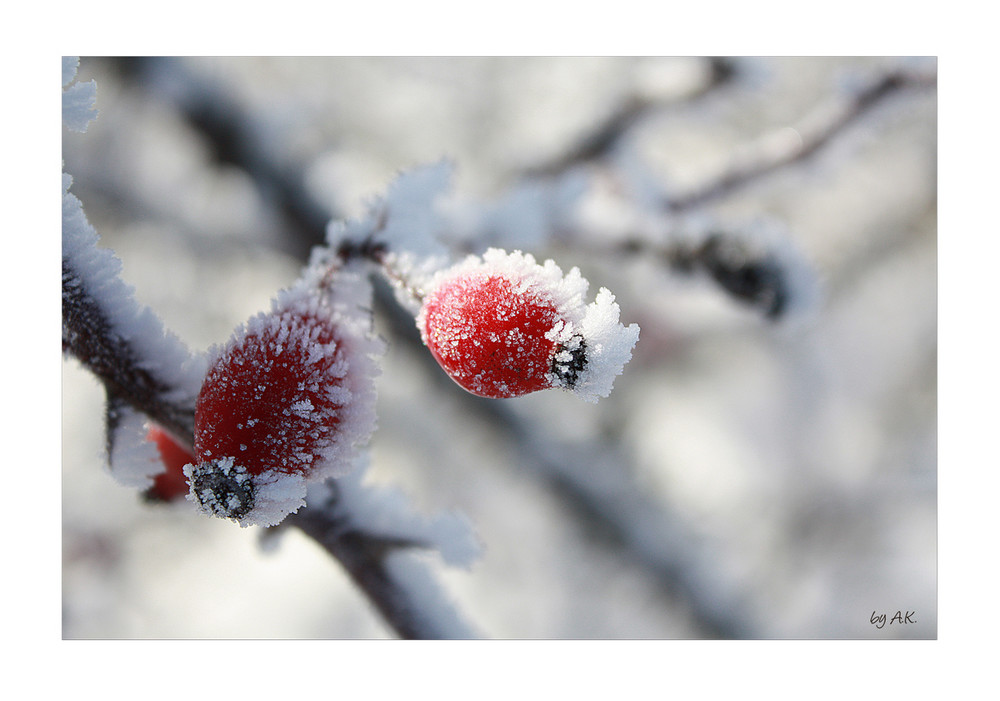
{"x": 70, "y": 64}
{"x": 413, "y": 220}
{"x": 97, "y": 271}
{"x": 278, "y": 494}
{"x": 408, "y": 221}
{"x": 429, "y": 601}
{"x": 408, "y": 218}
{"x": 79, "y": 99}
{"x": 524, "y": 217}
{"x": 133, "y": 461}
{"x": 387, "y": 512}
{"x": 608, "y": 344}
{"x": 347, "y": 298}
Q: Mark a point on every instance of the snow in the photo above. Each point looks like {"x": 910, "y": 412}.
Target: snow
{"x": 609, "y": 346}
{"x": 413, "y": 219}
{"x": 133, "y": 329}
{"x": 70, "y": 65}
{"x": 225, "y": 489}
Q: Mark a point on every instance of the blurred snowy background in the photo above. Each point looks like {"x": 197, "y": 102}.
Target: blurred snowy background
{"x": 747, "y": 477}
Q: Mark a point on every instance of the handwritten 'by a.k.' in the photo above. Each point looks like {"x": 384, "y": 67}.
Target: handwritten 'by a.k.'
{"x": 879, "y": 620}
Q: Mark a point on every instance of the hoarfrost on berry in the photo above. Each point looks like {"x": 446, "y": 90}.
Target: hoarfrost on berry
{"x": 287, "y": 401}
{"x": 503, "y": 325}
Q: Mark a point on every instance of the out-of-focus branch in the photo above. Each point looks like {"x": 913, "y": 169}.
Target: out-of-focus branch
{"x": 797, "y": 143}
{"x": 365, "y": 557}
{"x": 607, "y": 134}
{"x": 752, "y": 275}
{"x": 226, "y": 129}
{"x": 591, "y": 481}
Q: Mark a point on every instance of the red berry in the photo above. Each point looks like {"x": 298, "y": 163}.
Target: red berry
{"x": 171, "y": 484}
{"x": 278, "y": 408}
{"x": 505, "y": 326}
{"x": 489, "y": 338}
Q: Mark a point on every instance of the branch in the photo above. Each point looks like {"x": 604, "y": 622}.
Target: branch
{"x": 227, "y": 130}
{"x": 605, "y": 136}
{"x": 115, "y": 361}
{"x": 368, "y": 559}
{"x": 769, "y": 276}
{"x": 798, "y": 143}
{"x": 591, "y": 480}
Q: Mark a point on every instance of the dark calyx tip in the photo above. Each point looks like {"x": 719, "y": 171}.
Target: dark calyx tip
{"x": 223, "y": 488}
{"x": 569, "y": 361}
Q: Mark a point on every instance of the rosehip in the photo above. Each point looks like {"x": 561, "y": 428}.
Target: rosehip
{"x": 279, "y": 408}
{"x": 504, "y": 326}
{"x": 170, "y": 484}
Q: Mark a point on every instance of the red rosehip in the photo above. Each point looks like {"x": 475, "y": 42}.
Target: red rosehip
{"x": 504, "y": 326}
{"x": 280, "y": 407}
{"x": 171, "y": 484}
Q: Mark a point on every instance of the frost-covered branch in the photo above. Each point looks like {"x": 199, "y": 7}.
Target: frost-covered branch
{"x": 797, "y": 143}
{"x": 364, "y": 531}
{"x": 121, "y": 343}
{"x": 605, "y": 136}
{"x": 755, "y": 264}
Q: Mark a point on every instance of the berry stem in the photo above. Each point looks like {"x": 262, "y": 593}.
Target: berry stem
{"x": 368, "y": 248}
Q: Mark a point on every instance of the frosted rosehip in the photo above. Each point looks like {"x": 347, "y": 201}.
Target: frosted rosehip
{"x": 505, "y": 326}
{"x": 171, "y": 484}
{"x": 284, "y": 403}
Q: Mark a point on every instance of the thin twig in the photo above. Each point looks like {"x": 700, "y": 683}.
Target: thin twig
{"x": 806, "y": 139}
{"x": 605, "y": 136}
